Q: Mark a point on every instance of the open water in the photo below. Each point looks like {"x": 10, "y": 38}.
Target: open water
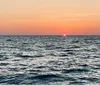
{"x": 49, "y": 60}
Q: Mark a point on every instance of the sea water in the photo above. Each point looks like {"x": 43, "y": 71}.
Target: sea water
{"x": 49, "y": 60}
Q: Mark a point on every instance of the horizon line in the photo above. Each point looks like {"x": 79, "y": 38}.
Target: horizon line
{"x": 49, "y": 35}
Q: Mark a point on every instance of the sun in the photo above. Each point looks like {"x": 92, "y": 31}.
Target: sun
{"x": 64, "y": 35}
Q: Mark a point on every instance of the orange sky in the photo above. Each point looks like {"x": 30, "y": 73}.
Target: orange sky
{"x": 49, "y": 17}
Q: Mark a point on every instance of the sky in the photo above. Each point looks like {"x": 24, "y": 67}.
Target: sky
{"x": 50, "y": 17}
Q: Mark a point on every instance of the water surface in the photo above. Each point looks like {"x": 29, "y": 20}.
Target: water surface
{"x": 49, "y": 60}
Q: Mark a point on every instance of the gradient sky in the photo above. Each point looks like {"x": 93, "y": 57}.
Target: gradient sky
{"x": 50, "y": 17}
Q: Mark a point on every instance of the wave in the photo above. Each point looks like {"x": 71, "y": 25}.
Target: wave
{"x": 53, "y": 77}
{"x": 90, "y": 79}
{"x": 28, "y": 56}
{"x": 75, "y": 70}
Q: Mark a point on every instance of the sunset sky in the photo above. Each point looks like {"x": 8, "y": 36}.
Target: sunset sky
{"x": 72, "y": 17}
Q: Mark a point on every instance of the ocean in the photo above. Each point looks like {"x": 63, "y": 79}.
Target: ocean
{"x": 49, "y": 60}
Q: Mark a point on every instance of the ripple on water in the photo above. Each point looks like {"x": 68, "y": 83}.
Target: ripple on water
{"x": 3, "y": 57}
{"x": 4, "y": 64}
{"x": 11, "y": 79}
{"x": 90, "y": 79}
{"x": 29, "y": 56}
{"x": 50, "y": 77}
{"x": 75, "y": 70}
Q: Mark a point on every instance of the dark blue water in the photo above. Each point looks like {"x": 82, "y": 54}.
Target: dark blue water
{"x": 49, "y": 60}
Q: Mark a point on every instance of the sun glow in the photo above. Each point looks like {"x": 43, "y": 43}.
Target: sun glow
{"x": 64, "y": 35}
